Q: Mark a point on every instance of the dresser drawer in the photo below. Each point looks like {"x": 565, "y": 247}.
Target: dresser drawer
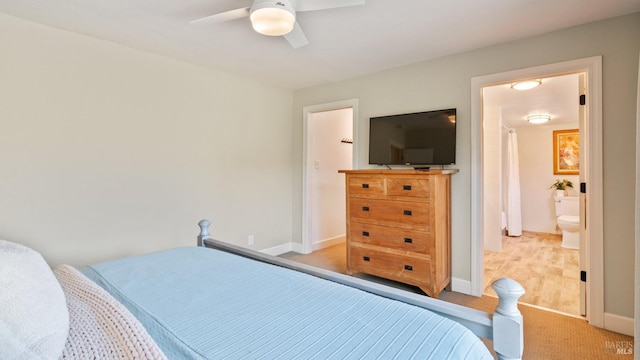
{"x": 408, "y": 187}
{"x": 399, "y": 226}
{"x": 404, "y": 214}
{"x": 401, "y": 239}
{"x": 408, "y": 269}
{"x": 366, "y": 186}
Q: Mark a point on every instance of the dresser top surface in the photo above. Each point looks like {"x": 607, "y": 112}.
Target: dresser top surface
{"x": 400, "y": 172}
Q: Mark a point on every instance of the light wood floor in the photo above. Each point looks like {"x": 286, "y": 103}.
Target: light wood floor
{"x": 549, "y": 273}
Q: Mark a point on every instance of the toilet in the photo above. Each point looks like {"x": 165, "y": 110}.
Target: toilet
{"x": 568, "y": 219}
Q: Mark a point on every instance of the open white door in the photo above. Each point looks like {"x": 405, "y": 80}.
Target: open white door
{"x": 584, "y": 164}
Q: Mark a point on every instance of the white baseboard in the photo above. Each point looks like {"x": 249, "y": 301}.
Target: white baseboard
{"x": 619, "y": 324}
{"x": 295, "y": 247}
{"x": 461, "y": 286}
{"x": 328, "y": 242}
{"x": 281, "y": 249}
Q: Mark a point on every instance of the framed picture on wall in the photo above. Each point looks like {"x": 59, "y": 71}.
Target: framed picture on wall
{"x": 566, "y": 152}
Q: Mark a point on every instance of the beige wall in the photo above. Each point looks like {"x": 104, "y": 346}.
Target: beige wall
{"x": 107, "y": 151}
{"x": 446, "y": 82}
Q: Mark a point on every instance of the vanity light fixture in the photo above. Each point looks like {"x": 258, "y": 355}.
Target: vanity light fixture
{"x": 526, "y": 85}
{"x": 538, "y": 119}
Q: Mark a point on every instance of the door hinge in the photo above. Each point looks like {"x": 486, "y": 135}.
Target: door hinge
{"x": 583, "y": 276}
{"x": 583, "y": 188}
{"x": 583, "y": 99}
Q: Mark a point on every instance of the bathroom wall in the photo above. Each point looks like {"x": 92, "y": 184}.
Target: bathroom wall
{"x": 535, "y": 147}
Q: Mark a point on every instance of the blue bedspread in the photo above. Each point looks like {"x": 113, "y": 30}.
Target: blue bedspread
{"x": 200, "y": 303}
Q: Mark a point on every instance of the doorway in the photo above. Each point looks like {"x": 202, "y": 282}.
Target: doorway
{"x": 329, "y": 137}
{"x": 528, "y": 245}
{"x": 590, "y": 174}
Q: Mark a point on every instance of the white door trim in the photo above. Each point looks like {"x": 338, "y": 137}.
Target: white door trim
{"x": 595, "y": 264}
{"x": 637, "y": 219}
{"x": 306, "y": 111}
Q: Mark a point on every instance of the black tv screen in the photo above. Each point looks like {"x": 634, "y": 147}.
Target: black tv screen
{"x": 422, "y": 138}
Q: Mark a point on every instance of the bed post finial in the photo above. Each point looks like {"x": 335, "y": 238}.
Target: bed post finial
{"x": 508, "y": 333}
{"x": 204, "y": 231}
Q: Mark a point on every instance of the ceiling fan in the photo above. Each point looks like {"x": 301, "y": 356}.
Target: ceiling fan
{"x": 278, "y": 17}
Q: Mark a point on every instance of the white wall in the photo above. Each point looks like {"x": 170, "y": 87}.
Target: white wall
{"x": 446, "y": 83}
{"x": 328, "y": 155}
{"x": 535, "y": 145}
{"x": 106, "y": 151}
{"x": 491, "y": 184}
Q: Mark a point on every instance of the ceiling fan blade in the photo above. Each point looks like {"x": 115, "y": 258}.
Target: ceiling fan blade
{"x": 310, "y": 5}
{"x": 224, "y": 16}
{"x": 296, "y": 37}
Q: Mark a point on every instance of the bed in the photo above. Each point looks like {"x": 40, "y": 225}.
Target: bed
{"x": 219, "y": 301}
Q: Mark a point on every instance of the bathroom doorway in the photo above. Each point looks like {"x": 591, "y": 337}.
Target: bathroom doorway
{"x": 528, "y": 244}
{"x": 486, "y": 218}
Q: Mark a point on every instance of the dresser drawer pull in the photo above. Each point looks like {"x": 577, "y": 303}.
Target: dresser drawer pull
{"x": 366, "y": 258}
{"x": 365, "y": 233}
{"x": 407, "y": 212}
{"x": 365, "y": 208}
{"x": 408, "y": 240}
{"x": 406, "y": 187}
{"x": 408, "y": 267}
{"x": 365, "y": 186}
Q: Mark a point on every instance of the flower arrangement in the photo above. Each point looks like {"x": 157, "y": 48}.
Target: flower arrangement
{"x": 561, "y": 184}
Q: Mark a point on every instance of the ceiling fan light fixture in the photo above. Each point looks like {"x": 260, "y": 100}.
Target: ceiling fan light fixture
{"x": 538, "y": 119}
{"x": 526, "y": 85}
{"x": 273, "y": 21}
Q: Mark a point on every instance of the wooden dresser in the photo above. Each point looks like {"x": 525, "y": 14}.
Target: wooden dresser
{"x": 399, "y": 226}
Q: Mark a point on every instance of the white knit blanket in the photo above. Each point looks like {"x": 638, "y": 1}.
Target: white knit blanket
{"x": 101, "y": 327}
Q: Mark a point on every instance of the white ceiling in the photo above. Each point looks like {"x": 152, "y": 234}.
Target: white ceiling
{"x": 343, "y": 42}
{"x": 557, "y": 97}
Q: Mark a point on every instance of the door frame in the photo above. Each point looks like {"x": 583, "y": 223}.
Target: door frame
{"x": 594, "y": 264}
{"x": 637, "y": 215}
{"x": 307, "y": 247}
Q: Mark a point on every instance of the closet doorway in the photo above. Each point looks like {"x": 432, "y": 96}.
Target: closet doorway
{"x": 329, "y": 138}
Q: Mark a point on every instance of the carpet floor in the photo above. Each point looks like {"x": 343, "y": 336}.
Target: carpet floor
{"x": 548, "y": 335}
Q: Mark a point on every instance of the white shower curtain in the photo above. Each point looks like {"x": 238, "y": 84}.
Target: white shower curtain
{"x": 514, "y": 215}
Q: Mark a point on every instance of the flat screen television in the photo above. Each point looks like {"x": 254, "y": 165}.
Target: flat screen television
{"x": 422, "y": 138}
